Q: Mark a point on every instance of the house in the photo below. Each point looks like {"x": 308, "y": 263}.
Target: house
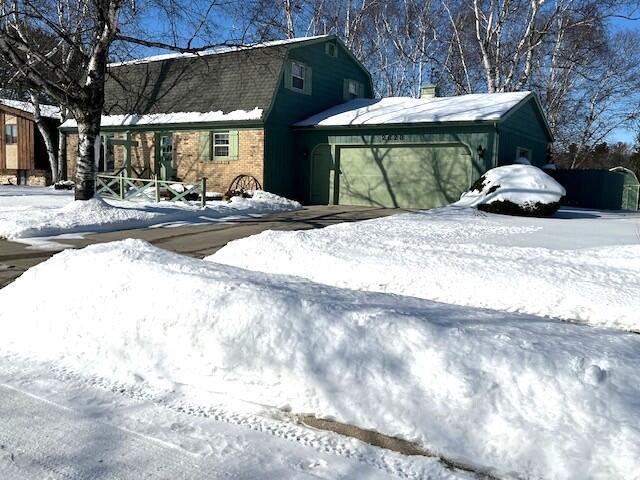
{"x": 222, "y": 113}
{"x": 299, "y": 115}
{"x": 23, "y": 155}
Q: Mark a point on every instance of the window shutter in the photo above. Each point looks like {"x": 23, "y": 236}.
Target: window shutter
{"x": 204, "y": 146}
{"x": 233, "y": 144}
{"x": 287, "y": 75}
{"x": 345, "y": 89}
{"x": 360, "y": 89}
{"x": 307, "y": 80}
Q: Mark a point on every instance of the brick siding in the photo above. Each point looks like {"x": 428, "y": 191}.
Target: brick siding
{"x": 187, "y": 164}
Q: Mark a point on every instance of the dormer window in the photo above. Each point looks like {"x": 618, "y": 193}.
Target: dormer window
{"x": 331, "y": 49}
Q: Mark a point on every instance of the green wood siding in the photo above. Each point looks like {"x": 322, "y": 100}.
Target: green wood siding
{"x": 524, "y": 128}
{"x": 283, "y": 171}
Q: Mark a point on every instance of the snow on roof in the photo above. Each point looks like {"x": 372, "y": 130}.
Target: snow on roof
{"x": 393, "y": 110}
{"x": 175, "y": 117}
{"x": 215, "y": 51}
{"x": 48, "y": 111}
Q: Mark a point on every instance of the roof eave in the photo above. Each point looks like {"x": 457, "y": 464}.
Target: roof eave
{"x": 468, "y": 123}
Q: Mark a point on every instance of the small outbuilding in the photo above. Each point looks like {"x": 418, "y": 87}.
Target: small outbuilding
{"x": 23, "y": 154}
{"x": 416, "y": 153}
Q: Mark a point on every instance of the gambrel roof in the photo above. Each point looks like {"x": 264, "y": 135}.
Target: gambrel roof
{"x": 231, "y": 79}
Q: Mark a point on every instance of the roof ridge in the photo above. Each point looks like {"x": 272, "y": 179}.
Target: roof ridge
{"x": 215, "y": 51}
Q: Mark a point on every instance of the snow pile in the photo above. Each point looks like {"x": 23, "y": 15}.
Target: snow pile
{"x": 75, "y": 215}
{"x": 516, "y": 394}
{"x": 515, "y": 189}
{"x": 173, "y": 117}
{"x": 392, "y": 110}
{"x": 581, "y": 269}
{"x": 264, "y": 201}
{"x": 43, "y": 212}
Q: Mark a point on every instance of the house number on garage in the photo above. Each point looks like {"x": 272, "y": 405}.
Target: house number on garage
{"x": 387, "y": 138}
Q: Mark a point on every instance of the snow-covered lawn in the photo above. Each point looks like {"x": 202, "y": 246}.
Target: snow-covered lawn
{"x": 580, "y": 266}
{"x": 57, "y": 425}
{"x": 506, "y": 392}
{"x": 30, "y": 213}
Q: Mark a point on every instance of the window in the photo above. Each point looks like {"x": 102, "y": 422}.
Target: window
{"x": 353, "y": 89}
{"x": 217, "y": 145}
{"x": 523, "y": 155}
{"x": 297, "y": 75}
{"x": 221, "y": 144}
{"x": 331, "y": 49}
{"x": 10, "y": 133}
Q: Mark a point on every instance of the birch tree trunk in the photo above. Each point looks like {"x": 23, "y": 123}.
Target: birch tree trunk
{"x": 44, "y": 130}
{"x": 88, "y": 131}
{"x": 62, "y": 156}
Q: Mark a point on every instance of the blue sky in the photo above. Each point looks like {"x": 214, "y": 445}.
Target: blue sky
{"x": 154, "y": 23}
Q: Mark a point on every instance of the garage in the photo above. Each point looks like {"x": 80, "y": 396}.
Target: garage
{"x": 425, "y": 176}
{"x": 415, "y": 153}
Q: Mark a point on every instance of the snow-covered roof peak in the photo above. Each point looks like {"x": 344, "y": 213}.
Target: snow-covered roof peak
{"x": 215, "y": 51}
{"x": 395, "y": 110}
{"x": 48, "y": 111}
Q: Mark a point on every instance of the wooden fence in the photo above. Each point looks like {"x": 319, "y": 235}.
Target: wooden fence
{"x": 120, "y": 187}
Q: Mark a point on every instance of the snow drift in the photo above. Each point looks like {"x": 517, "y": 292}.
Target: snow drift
{"x": 581, "y": 268}
{"x": 515, "y": 190}
{"x": 69, "y": 218}
{"x": 37, "y": 212}
{"x": 513, "y": 393}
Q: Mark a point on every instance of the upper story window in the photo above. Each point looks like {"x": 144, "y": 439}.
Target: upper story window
{"x": 331, "y": 49}
{"x": 353, "y": 89}
{"x": 298, "y": 77}
{"x": 10, "y": 133}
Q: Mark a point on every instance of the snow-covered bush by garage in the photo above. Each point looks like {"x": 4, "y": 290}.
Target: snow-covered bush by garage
{"x": 507, "y": 392}
{"x": 515, "y": 190}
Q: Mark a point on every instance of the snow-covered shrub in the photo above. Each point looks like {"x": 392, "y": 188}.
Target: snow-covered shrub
{"x": 515, "y": 190}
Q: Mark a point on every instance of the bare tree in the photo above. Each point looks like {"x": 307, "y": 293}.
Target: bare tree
{"x": 72, "y": 69}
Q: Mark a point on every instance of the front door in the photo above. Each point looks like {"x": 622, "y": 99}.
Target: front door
{"x": 165, "y": 156}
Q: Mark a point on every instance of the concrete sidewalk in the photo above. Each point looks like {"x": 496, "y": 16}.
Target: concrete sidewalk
{"x": 194, "y": 240}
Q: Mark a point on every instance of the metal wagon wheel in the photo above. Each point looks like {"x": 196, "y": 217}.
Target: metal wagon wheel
{"x": 242, "y": 185}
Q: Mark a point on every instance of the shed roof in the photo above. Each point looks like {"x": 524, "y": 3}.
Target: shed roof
{"x": 405, "y": 110}
{"x": 47, "y": 111}
{"x": 231, "y": 79}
